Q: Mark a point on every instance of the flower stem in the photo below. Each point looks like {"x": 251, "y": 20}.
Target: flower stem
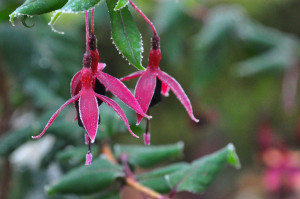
{"x": 149, "y": 192}
{"x": 144, "y": 16}
{"x": 93, "y": 22}
{"x": 87, "y": 30}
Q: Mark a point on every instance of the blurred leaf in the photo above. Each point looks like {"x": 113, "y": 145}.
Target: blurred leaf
{"x": 121, "y": 4}
{"x": 115, "y": 194}
{"x": 12, "y": 140}
{"x": 148, "y": 156}
{"x": 73, "y": 6}
{"x": 162, "y": 171}
{"x": 87, "y": 179}
{"x": 199, "y": 174}
{"x": 49, "y": 157}
{"x": 125, "y": 34}
{"x": 75, "y": 156}
{"x": 34, "y": 7}
{"x": 156, "y": 179}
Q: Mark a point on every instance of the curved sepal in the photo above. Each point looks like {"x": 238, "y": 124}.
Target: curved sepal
{"x": 144, "y": 90}
{"x": 118, "y": 110}
{"x": 89, "y": 112}
{"x": 53, "y": 117}
{"x": 178, "y": 91}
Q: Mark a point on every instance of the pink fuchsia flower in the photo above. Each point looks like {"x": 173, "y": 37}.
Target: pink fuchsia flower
{"x": 87, "y": 99}
{"x": 153, "y": 82}
{"x": 103, "y": 82}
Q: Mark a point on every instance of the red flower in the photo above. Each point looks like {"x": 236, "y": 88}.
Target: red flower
{"x": 154, "y": 81}
{"x": 84, "y": 92}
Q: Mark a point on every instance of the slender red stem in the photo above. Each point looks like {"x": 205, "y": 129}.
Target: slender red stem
{"x": 92, "y": 21}
{"x": 144, "y": 16}
{"x": 87, "y": 30}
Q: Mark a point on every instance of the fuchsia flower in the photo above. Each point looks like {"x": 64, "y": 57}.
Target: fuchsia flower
{"x": 154, "y": 81}
{"x": 82, "y": 89}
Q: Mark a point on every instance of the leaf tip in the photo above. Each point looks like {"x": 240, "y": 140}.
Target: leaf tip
{"x": 53, "y": 20}
{"x": 11, "y": 18}
{"x": 233, "y": 158}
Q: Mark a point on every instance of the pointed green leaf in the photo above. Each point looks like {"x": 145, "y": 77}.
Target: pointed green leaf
{"x": 121, "y": 4}
{"x": 37, "y": 7}
{"x": 200, "y": 173}
{"x": 73, "y": 6}
{"x": 162, "y": 171}
{"x": 87, "y": 179}
{"x": 125, "y": 34}
{"x": 148, "y": 156}
{"x": 156, "y": 179}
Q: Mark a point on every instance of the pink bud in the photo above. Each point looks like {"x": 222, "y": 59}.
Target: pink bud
{"x": 147, "y": 138}
{"x": 86, "y": 138}
{"x": 88, "y": 159}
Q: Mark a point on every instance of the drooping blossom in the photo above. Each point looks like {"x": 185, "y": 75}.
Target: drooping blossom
{"x": 153, "y": 82}
{"x": 87, "y": 101}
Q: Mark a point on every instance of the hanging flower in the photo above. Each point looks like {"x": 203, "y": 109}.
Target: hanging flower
{"x": 83, "y": 91}
{"x": 153, "y": 82}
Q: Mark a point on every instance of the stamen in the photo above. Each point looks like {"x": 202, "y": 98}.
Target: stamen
{"x": 87, "y": 30}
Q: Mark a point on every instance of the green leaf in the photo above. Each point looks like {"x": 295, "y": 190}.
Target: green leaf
{"x": 13, "y": 140}
{"x": 156, "y": 179}
{"x": 121, "y": 4}
{"x": 73, "y": 6}
{"x": 125, "y": 34}
{"x": 86, "y": 180}
{"x": 199, "y": 174}
{"x": 148, "y": 156}
{"x": 162, "y": 171}
{"x": 37, "y": 7}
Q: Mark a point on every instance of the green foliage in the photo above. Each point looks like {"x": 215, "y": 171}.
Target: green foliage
{"x": 200, "y": 173}
{"x": 87, "y": 179}
{"x": 121, "y": 4}
{"x": 125, "y": 34}
{"x": 149, "y": 156}
{"x": 73, "y": 6}
{"x": 34, "y": 7}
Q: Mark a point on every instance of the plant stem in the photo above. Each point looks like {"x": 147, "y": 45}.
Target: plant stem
{"x": 87, "y": 30}
{"x": 144, "y": 16}
{"x": 149, "y": 192}
{"x": 93, "y": 22}
{"x": 6, "y": 177}
{"x": 107, "y": 151}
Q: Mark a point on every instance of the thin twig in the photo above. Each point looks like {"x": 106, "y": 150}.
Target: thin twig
{"x": 149, "y": 192}
{"x": 107, "y": 151}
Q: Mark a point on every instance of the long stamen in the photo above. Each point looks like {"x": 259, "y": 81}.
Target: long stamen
{"x": 92, "y": 22}
{"x": 144, "y": 16}
{"x": 87, "y": 30}
{"x": 147, "y": 133}
{"x": 89, "y": 156}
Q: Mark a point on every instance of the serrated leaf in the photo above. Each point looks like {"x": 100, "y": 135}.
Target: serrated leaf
{"x": 73, "y": 6}
{"x": 121, "y": 4}
{"x": 200, "y": 173}
{"x": 148, "y": 156}
{"x": 125, "y": 34}
{"x": 86, "y": 180}
{"x": 37, "y": 7}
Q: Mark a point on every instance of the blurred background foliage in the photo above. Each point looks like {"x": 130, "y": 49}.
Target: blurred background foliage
{"x": 237, "y": 60}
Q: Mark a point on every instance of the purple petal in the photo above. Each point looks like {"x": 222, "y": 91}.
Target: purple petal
{"x": 88, "y": 159}
{"x": 144, "y": 90}
{"x": 117, "y": 109}
{"x": 165, "y": 89}
{"x": 132, "y": 76}
{"x": 116, "y": 87}
{"x": 178, "y": 91}
{"x": 89, "y": 112}
{"x": 73, "y": 99}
